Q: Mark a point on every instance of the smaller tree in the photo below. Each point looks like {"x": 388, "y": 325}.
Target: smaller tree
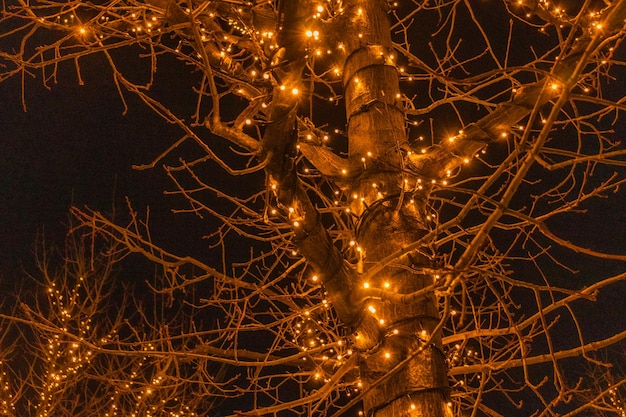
{"x": 78, "y": 345}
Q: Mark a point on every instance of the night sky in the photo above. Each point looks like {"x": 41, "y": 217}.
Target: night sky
{"x": 72, "y": 145}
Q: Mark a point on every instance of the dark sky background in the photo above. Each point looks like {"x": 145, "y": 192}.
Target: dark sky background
{"x": 72, "y": 145}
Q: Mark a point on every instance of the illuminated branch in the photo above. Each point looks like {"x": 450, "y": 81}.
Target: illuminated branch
{"x": 539, "y": 359}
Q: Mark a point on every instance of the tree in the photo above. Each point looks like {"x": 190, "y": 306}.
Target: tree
{"x": 76, "y": 346}
{"x": 410, "y": 254}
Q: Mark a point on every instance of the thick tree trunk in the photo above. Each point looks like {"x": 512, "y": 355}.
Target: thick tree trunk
{"x": 405, "y": 373}
{"x": 402, "y": 366}
{"x": 418, "y": 386}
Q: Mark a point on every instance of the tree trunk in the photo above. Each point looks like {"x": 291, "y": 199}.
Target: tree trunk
{"x": 418, "y": 387}
{"x": 405, "y": 373}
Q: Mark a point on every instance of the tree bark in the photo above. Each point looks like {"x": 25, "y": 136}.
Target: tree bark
{"x": 404, "y": 374}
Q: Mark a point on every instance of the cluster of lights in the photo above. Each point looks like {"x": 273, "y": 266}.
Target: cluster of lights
{"x": 558, "y": 14}
{"x": 460, "y": 355}
{"x": 144, "y": 395}
{"x": 68, "y": 352}
{"x": 7, "y": 401}
{"x": 137, "y": 23}
{"x": 327, "y": 351}
{"x": 555, "y": 11}
{"x": 65, "y": 354}
{"x": 616, "y": 401}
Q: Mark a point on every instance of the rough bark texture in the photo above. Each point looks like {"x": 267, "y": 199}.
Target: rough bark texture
{"x": 405, "y": 372}
{"x": 418, "y": 386}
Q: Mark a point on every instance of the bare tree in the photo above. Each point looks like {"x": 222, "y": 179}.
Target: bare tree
{"x": 390, "y": 183}
{"x": 78, "y": 346}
